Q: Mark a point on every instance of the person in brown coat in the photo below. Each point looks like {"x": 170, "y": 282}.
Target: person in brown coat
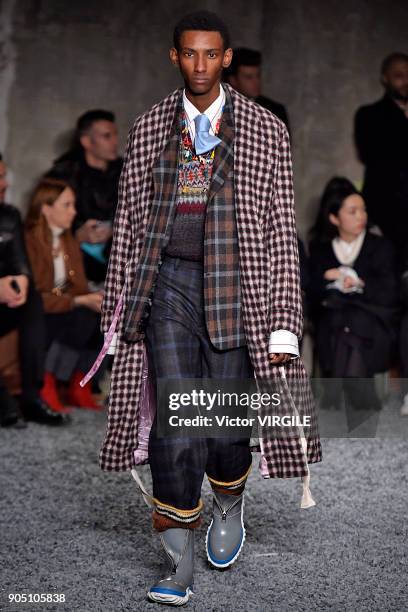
{"x": 71, "y": 311}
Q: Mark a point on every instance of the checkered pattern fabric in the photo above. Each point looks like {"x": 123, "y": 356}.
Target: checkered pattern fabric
{"x": 268, "y": 263}
{"x": 221, "y": 252}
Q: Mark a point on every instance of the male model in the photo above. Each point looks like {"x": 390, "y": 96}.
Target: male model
{"x": 205, "y": 245}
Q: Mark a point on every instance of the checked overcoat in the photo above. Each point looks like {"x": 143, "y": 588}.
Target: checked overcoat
{"x": 268, "y": 261}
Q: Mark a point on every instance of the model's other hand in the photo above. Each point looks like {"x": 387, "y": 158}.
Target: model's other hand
{"x": 279, "y": 358}
{"x": 90, "y": 300}
{"x": 9, "y": 295}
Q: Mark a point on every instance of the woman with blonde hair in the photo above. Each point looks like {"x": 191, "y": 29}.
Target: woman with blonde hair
{"x": 71, "y": 310}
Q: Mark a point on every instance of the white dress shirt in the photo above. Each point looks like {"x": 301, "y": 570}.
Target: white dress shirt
{"x": 60, "y": 275}
{"x": 213, "y": 112}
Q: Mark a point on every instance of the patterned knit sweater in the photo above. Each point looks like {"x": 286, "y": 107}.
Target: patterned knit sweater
{"x": 194, "y": 178}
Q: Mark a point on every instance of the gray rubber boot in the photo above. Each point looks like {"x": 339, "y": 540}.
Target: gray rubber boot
{"x": 176, "y": 587}
{"x": 226, "y": 533}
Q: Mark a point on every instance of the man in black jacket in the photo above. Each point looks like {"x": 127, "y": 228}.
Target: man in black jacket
{"x": 93, "y": 168}
{"x": 244, "y": 75}
{"x": 381, "y": 135}
{"x": 21, "y": 308}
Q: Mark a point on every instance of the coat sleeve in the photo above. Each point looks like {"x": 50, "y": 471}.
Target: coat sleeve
{"x": 286, "y": 312}
{"x": 121, "y": 243}
{"x": 318, "y": 266}
{"x": 381, "y": 283}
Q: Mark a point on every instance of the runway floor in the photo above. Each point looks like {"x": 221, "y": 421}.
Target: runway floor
{"x": 68, "y": 528}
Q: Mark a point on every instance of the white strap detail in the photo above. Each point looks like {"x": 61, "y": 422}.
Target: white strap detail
{"x": 307, "y": 500}
{"x": 146, "y": 496}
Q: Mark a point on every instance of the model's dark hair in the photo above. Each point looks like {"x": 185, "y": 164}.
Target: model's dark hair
{"x": 1, "y": 157}
{"x": 201, "y": 20}
{"x": 86, "y": 120}
{"x": 335, "y": 192}
{"x": 390, "y": 59}
{"x": 243, "y": 57}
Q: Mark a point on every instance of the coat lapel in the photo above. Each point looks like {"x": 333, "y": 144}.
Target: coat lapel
{"x": 224, "y": 153}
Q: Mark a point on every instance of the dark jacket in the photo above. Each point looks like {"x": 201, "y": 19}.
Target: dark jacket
{"x": 381, "y": 136}
{"x": 96, "y": 190}
{"x": 372, "y": 315}
{"x": 13, "y": 256}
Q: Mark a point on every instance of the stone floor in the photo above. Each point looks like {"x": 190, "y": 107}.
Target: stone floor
{"x": 67, "y": 527}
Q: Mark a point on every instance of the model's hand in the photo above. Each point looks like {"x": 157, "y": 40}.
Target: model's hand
{"x": 278, "y": 358}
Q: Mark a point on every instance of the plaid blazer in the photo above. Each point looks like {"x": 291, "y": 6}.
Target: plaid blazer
{"x": 268, "y": 263}
{"x": 222, "y": 296}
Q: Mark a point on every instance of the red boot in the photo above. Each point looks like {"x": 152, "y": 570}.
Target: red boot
{"x": 81, "y": 397}
{"x": 49, "y": 394}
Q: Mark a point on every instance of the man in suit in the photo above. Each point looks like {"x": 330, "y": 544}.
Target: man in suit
{"x": 244, "y": 74}
{"x": 205, "y": 259}
{"x": 381, "y": 136}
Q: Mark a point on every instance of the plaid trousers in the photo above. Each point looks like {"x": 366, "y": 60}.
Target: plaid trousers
{"x": 178, "y": 346}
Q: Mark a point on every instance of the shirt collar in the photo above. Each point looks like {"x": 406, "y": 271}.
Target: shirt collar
{"x": 212, "y": 112}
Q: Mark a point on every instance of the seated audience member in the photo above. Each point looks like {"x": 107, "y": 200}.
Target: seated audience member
{"x": 71, "y": 310}
{"x": 93, "y": 168}
{"x": 21, "y": 310}
{"x": 354, "y": 295}
{"x": 244, "y": 75}
{"x": 381, "y": 136}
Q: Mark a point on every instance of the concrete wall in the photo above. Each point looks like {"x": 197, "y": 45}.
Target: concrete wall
{"x": 61, "y": 57}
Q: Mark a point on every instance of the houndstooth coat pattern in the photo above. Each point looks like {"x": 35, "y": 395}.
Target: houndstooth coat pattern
{"x": 269, "y": 269}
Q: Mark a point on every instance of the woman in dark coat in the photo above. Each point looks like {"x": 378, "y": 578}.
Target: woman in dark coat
{"x": 354, "y": 295}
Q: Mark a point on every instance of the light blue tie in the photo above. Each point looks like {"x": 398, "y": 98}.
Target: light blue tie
{"x": 203, "y": 140}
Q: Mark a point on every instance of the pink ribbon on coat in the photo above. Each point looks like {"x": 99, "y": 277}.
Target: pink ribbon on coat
{"x": 107, "y": 342}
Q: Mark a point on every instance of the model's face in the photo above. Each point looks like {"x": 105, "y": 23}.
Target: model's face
{"x": 395, "y": 80}
{"x": 247, "y": 81}
{"x": 3, "y": 181}
{"x": 351, "y": 219}
{"x": 61, "y": 214}
{"x": 102, "y": 141}
{"x": 201, "y": 59}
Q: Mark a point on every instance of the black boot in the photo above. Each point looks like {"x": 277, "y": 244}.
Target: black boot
{"x": 10, "y": 415}
{"x": 38, "y": 411}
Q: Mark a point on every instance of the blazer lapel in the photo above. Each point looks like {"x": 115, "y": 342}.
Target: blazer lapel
{"x": 224, "y": 152}
{"x": 165, "y": 167}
